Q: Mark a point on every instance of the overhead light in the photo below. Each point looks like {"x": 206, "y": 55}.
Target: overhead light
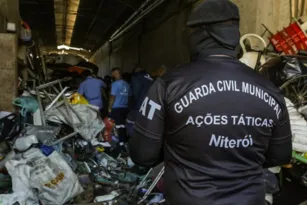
{"x": 64, "y": 47}
{"x": 61, "y": 47}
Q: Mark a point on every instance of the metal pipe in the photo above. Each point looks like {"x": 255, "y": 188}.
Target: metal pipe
{"x": 65, "y": 138}
{"x": 151, "y": 8}
{"x": 41, "y": 109}
{"x": 53, "y": 82}
{"x": 152, "y": 186}
{"x": 56, "y": 99}
{"x": 131, "y": 17}
{"x": 145, "y": 12}
{"x": 93, "y": 21}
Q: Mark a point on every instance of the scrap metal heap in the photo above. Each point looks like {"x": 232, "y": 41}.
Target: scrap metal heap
{"x": 59, "y": 150}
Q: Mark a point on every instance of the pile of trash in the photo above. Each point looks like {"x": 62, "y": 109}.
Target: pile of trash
{"x": 58, "y": 150}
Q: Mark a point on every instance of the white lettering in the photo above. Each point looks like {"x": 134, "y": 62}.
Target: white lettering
{"x": 153, "y": 108}
{"x": 198, "y": 93}
{"x": 205, "y": 90}
{"x": 208, "y": 119}
{"x": 192, "y": 98}
{"x": 199, "y": 121}
{"x": 220, "y": 86}
{"x": 226, "y": 86}
{"x": 144, "y": 106}
{"x": 214, "y": 141}
{"x": 259, "y": 93}
{"x": 225, "y": 142}
{"x": 212, "y": 89}
{"x": 190, "y": 121}
{"x": 178, "y": 107}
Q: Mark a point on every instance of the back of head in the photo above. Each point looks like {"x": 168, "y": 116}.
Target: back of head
{"x": 214, "y": 26}
{"x": 89, "y": 66}
{"x": 138, "y": 69}
{"x": 87, "y": 73}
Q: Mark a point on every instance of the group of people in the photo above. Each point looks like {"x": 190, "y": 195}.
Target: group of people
{"x": 121, "y": 101}
{"x": 214, "y": 122}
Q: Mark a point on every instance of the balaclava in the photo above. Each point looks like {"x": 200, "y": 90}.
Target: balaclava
{"x": 215, "y": 25}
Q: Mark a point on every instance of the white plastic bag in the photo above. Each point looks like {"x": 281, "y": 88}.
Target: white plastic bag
{"x": 50, "y": 179}
{"x": 298, "y": 128}
{"x": 91, "y": 126}
{"x": 20, "y": 173}
{"x": 55, "y": 181}
{"x": 15, "y": 198}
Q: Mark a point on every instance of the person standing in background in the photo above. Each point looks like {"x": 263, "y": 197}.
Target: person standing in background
{"x": 93, "y": 90}
{"x": 119, "y": 103}
{"x": 140, "y": 84}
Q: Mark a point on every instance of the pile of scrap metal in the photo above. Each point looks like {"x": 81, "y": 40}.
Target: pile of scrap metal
{"x": 58, "y": 150}
{"x": 289, "y": 73}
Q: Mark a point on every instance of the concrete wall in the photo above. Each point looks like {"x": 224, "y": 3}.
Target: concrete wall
{"x": 274, "y": 14}
{"x": 8, "y": 70}
{"x": 163, "y": 40}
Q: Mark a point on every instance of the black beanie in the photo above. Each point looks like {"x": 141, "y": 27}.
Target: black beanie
{"x": 213, "y": 11}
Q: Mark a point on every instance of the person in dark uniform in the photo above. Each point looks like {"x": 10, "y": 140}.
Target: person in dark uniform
{"x": 215, "y": 122}
{"x": 141, "y": 81}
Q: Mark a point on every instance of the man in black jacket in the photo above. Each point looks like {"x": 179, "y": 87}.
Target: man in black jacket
{"x": 214, "y": 122}
{"x": 140, "y": 84}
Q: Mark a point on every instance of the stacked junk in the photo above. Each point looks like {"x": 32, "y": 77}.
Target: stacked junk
{"x": 58, "y": 150}
{"x": 283, "y": 61}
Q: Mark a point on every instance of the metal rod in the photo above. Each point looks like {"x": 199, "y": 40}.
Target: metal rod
{"x": 144, "y": 179}
{"x": 55, "y": 89}
{"x": 60, "y": 111}
{"x": 40, "y": 105}
{"x": 152, "y": 186}
{"x": 94, "y": 20}
{"x": 131, "y": 17}
{"x": 57, "y": 98}
{"x": 69, "y": 112}
{"x": 65, "y": 138}
{"x": 47, "y": 95}
{"x": 152, "y": 7}
{"x": 65, "y": 19}
{"x": 53, "y": 83}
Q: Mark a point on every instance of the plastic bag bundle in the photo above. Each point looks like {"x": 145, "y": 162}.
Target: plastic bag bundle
{"x": 45, "y": 134}
{"x": 91, "y": 126}
{"x": 51, "y": 177}
{"x": 27, "y": 104}
{"x": 280, "y": 69}
{"x": 298, "y": 128}
{"x": 76, "y": 98}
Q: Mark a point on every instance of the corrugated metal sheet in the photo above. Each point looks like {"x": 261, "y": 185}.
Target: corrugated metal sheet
{"x": 80, "y": 23}
{"x": 65, "y": 18}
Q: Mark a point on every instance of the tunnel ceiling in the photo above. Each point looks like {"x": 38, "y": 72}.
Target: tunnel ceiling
{"x": 86, "y": 24}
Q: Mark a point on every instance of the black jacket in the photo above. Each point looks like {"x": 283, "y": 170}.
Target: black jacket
{"x": 140, "y": 84}
{"x": 215, "y": 123}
